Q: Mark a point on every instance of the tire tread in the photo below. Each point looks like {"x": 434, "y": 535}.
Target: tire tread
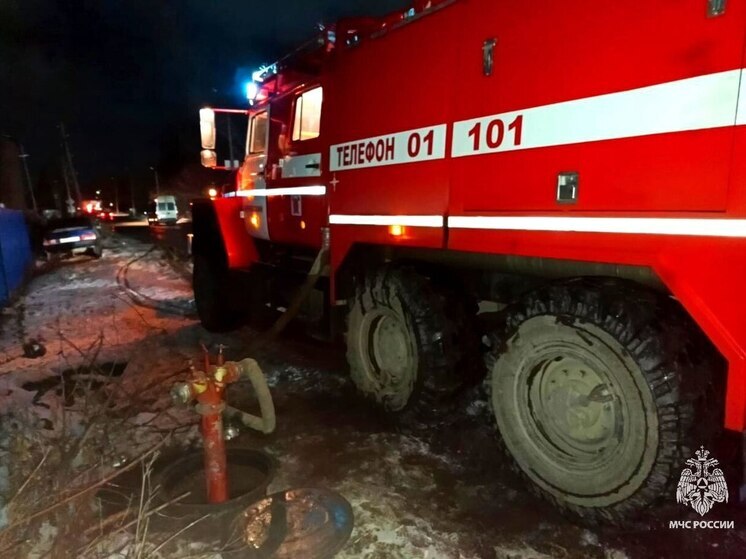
{"x": 672, "y": 354}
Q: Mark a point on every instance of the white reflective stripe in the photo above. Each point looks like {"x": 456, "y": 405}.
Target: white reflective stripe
{"x": 267, "y": 192}
{"x": 698, "y": 103}
{"x": 403, "y": 220}
{"x": 741, "y": 110}
{"x": 410, "y": 146}
{"x": 625, "y": 225}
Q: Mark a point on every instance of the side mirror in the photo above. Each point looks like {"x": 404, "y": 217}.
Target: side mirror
{"x": 208, "y": 133}
{"x": 209, "y": 158}
{"x": 207, "y": 128}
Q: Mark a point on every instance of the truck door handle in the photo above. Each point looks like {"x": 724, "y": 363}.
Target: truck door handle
{"x": 488, "y": 56}
{"x": 715, "y": 8}
{"x": 313, "y": 166}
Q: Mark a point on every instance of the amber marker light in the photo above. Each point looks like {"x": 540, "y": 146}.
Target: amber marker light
{"x": 396, "y": 230}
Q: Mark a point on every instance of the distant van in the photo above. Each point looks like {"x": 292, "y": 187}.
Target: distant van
{"x": 165, "y": 210}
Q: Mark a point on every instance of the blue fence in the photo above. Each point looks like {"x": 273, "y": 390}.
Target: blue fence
{"x": 15, "y": 253}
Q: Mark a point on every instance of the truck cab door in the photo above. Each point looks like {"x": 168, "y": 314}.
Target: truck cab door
{"x": 253, "y": 173}
{"x": 632, "y": 106}
{"x": 297, "y": 168}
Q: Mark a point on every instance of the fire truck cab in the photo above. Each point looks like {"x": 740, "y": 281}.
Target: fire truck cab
{"x": 543, "y": 195}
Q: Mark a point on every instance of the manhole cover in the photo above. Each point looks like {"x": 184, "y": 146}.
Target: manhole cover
{"x": 309, "y": 523}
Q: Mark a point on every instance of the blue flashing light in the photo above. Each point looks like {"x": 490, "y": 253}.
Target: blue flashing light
{"x": 252, "y": 90}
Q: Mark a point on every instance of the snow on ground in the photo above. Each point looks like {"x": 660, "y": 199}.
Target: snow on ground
{"x": 79, "y": 305}
{"x": 421, "y": 488}
{"x": 75, "y": 312}
{"x": 83, "y": 329}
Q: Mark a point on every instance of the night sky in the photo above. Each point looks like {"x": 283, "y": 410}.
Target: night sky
{"x": 128, "y": 76}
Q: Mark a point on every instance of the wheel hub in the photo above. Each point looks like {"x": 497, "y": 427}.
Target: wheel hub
{"x": 575, "y": 405}
{"x": 390, "y": 348}
{"x": 391, "y": 361}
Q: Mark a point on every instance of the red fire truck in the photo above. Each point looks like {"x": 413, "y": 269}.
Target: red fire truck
{"x": 551, "y": 187}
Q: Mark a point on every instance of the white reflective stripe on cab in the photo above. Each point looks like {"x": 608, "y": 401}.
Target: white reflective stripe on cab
{"x": 702, "y": 102}
{"x": 388, "y": 220}
{"x": 707, "y": 227}
{"x": 268, "y": 192}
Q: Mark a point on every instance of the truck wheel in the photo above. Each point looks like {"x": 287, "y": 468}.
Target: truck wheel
{"x": 215, "y": 296}
{"x": 406, "y": 340}
{"x": 587, "y": 388}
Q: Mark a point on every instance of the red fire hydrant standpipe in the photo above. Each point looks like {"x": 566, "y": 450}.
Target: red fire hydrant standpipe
{"x": 207, "y": 389}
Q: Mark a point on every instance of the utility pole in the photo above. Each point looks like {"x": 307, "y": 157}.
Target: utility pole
{"x": 71, "y": 168}
{"x": 157, "y": 182}
{"x": 69, "y": 202}
{"x": 24, "y": 158}
{"x": 56, "y": 195}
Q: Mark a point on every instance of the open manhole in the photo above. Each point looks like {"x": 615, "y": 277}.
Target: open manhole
{"x": 249, "y": 474}
{"x": 76, "y": 382}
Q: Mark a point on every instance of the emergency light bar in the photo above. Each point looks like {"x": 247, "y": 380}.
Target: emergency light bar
{"x": 252, "y": 91}
{"x": 264, "y": 72}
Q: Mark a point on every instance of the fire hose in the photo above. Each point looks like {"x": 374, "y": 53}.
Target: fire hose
{"x": 207, "y": 389}
{"x": 318, "y": 269}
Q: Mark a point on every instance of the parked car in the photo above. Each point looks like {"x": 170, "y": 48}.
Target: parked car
{"x": 73, "y": 235}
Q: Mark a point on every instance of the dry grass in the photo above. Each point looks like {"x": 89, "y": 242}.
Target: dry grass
{"x": 49, "y": 506}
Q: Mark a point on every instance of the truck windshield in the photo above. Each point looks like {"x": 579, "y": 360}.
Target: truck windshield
{"x": 258, "y": 133}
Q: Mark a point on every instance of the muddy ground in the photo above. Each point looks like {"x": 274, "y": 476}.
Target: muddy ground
{"x": 420, "y": 486}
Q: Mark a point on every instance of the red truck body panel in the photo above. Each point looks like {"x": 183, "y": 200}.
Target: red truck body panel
{"x": 642, "y": 102}
{"x": 239, "y": 247}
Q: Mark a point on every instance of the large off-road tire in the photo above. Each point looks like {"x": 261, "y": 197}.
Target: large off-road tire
{"x": 593, "y": 385}
{"x": 409, "y": 343}
{"x": 217, "y": 295}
